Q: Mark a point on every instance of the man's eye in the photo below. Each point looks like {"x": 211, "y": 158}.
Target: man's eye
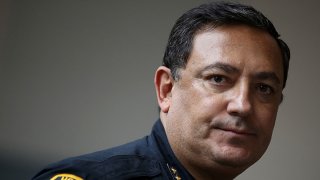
{"x": 218, "y": 79}
{"x": 265, "y": 89}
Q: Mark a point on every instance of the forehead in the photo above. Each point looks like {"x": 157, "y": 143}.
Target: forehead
{"x": 241, "y": 46}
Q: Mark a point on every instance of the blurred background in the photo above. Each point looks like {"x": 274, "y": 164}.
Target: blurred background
{"x": 76, "y": 76}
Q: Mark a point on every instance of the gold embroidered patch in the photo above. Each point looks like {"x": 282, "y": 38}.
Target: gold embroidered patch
{"x": 66, "y": 177}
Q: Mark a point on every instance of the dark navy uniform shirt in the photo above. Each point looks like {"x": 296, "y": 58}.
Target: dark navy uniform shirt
{"x": 148, "y": 158}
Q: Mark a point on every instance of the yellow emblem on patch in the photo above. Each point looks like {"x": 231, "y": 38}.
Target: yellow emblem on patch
{"x": 66, "y": 177}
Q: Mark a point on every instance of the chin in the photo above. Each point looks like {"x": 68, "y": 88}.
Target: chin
{"x": 235, "y": 158}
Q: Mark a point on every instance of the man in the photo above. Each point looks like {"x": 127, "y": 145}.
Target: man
{"x": 218, "y": 90}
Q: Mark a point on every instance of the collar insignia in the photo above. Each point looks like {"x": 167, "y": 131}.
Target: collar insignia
{"x": 174, "y": 172}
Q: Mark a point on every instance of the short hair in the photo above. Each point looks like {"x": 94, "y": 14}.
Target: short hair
{"x": 215, "y": 14}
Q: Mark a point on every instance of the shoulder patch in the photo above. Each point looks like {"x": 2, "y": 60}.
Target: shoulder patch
{"x": 66, "y": 177}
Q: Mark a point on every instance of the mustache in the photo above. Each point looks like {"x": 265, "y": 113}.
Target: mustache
{"x": 235, "y": 124}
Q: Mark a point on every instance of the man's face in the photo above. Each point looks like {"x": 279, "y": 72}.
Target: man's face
{"x": 223, "y": 108}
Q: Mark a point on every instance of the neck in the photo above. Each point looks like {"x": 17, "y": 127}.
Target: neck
{"x": 212, "y": 173}
{"x": 208, "y": 170}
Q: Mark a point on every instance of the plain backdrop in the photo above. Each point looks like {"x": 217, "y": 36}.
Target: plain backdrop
{"x": 76, "y": 76}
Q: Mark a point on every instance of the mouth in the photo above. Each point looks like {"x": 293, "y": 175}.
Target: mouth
{"x": 239, "y": 132}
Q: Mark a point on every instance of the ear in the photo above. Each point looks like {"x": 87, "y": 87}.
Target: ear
{"x": 163, "y": 82}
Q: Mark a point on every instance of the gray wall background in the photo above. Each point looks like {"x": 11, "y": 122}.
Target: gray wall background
{"x": 77, "y": 77}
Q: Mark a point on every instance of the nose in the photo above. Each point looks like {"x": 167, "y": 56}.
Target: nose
{"x": 239, "y": 103}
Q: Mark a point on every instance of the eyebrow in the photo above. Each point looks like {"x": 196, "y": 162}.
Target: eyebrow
{"x": 267, "y": 76}
{"x": 231, "y": 69}
{"x": 223, "y": 66}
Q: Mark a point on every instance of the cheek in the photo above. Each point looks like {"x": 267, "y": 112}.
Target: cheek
{"x": 202, "y": 103}
{"x": 199, "y": 111}
{"x": 268, "y": 116}
{"x": 266, "y": 121}
{"x": 190, "y": 109}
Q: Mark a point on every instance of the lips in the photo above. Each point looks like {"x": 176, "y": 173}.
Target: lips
{"x": 245, "y": 132}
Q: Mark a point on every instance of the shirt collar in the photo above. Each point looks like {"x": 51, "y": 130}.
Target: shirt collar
{"x": 162, "y": 142}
